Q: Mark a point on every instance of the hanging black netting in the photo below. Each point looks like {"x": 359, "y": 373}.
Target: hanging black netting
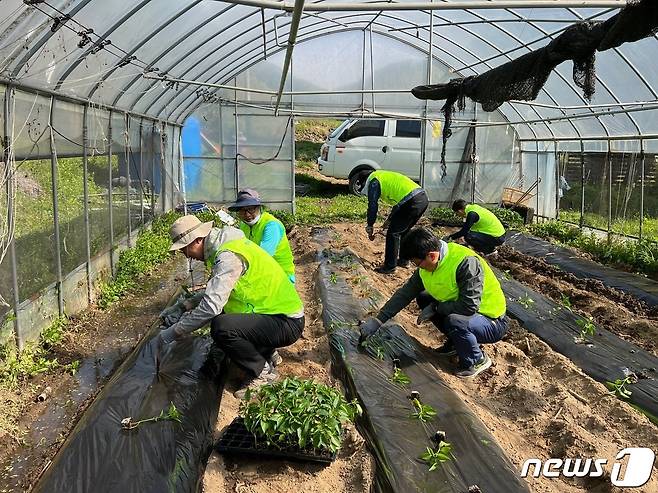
{"x": 523, "y": 77}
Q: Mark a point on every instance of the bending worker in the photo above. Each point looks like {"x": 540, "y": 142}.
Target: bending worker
{"x": 455, "y": 289}
{"x": 482, "y": 230}
{"x": 264, "y": 229}
{"x": 251, "y": 305}
{"x": 409, "y": 202}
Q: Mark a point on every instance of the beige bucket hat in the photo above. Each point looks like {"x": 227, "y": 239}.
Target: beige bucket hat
{"x": 186, "y": 229}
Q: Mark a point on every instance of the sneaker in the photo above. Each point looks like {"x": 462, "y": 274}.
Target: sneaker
{"x": 448, "y": 349}
{"x": 384, "y": 270}
{"x": 276, "y": 359}
{"x": 477, "y": 368}
{"x": 268, "y": 375}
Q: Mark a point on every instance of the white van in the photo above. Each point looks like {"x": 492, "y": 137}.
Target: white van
{"x": 358, "y": 147}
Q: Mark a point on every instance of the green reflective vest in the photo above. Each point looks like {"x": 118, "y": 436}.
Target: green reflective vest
{"x": 488, "y": 224}
{"x": 394, "y": 186}
{"x": 264, "y": 287}
{"x": 442, "y": 283}
{"x": 283, "y": 253}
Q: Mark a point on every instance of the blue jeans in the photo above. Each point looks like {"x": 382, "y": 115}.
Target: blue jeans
{"x": 482, "y": 242}
{"x": 467, "y": 332}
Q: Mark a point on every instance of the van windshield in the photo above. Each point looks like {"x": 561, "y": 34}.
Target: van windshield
{"x": 364, "y": 128}
{"x": 339, "y": 129}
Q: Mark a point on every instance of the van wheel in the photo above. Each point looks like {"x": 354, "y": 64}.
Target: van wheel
{"x": 357, "y": 180}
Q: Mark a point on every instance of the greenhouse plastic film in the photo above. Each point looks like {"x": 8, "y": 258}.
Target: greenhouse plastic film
{"x": 605, "y": 357}
{"x": 638, "y": 286}
{"x": 396, "y": 439}
{"x": 162, "y": 456}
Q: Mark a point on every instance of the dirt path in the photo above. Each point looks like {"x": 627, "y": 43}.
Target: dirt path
{"x": 309, "y": 357}
{"x": 535, "y": 401}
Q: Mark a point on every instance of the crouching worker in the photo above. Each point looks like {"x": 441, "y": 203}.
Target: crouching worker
{"x": 249, "y": 301}
{"x": 482, "y": 230}
{"x": 455, "y": 289}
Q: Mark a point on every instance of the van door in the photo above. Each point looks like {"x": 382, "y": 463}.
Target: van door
{"x": 404, "y": 148}
{"x": 363, "y": 143}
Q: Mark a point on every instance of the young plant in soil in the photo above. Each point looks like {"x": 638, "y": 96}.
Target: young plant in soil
{"x": 172, "y": 414}
{"x": 587, "y": 328}
{"x": 434, "y": 457}
{"x": 333, "y": 278}
{"x": 565, "y": 302}
{"x": 296, "y": 412}
{"x": 526, "y": 301}
{"x": 423, "y": 412}
{"x": 618, "y": 387}
{"x": 400, "y": 377}
{"x": 374, "y": 348}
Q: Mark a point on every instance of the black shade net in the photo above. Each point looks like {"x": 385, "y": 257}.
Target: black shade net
{"x": 523, "y": 77}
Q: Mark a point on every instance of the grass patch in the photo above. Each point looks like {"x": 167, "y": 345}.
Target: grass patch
{"x": 151, "y": 249}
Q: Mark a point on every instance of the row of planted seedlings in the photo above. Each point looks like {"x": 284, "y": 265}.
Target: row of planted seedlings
{"x": 628, "y": 371}
{"x": 423, "y": 436}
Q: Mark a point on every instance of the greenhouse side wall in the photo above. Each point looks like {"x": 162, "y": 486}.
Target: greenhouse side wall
{"x": 79, "y": 182}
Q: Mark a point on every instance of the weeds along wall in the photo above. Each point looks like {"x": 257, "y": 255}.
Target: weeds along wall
{"x": 78, "y": 183}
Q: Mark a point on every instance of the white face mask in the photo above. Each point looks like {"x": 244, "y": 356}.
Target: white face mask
{"x": 253, "y": 221}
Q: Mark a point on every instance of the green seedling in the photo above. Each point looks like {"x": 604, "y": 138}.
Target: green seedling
{"x": 333, "y": 278}
{"x": 618, "y": 387}
{"x": 506, "y": 275}
{"x": 374, "y": 348}
{"x": 172, "y": 414}
{"x": 565, "y": 302}
{"x": 587, "y": 328}
{"x": 423, "y": 412}
{"x": 526, "y": 301}
{"x": 298, "y": 412}
{"x": 400, "y": 377}
{"x": 434, "y": 457}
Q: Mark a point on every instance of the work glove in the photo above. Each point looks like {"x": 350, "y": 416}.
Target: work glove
{"x": 368, "y": 328}
{"x": 447, "y": 238}
{"x": 169, "y": 335}
{"x": 172, "y": 314}
{"x": 428, "y": 312}
{"x": 193, "y": 301}
{"x": 371, "y": 232}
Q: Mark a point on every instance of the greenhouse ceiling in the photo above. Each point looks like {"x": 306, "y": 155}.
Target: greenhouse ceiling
{"x": 163, "y": 58}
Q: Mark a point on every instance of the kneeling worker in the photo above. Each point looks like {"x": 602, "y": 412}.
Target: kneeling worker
{"x": 409, "y": 203}
{"x": 482, "y": 230}
{"x": 457, "y": 290}
{"x": 264, "y": 229}
{"x": 251, "y": 304}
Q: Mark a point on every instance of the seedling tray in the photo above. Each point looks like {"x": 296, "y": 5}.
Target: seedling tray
{"x": 236, "y": 439}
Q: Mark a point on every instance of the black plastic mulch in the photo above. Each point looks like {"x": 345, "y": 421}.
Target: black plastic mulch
{"x": 642, "y": 288}
{"x": 164, "y": 456}
{"x": 395, "y": 438}
{"x": 605, "y": 358}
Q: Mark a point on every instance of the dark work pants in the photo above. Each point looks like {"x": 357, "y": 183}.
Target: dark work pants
{"x": 249, "y": 339}
{"x": 466, "y": 332}
{"x": 402, "y": 221}
{"x": 482, "y": 242}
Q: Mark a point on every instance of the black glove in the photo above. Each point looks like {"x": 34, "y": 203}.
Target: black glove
{"x": 368, "y": 328}
{"x": 172, "y": 314}
{"x": 371, "y": 232}
{"x": 428, "y": 312}
{"x": 447, "y": 238}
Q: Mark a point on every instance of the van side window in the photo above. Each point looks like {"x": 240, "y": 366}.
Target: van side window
{"x": 364, "y": 128}
{"x": 408, "y": 128}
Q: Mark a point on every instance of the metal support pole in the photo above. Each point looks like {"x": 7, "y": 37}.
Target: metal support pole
{"x": 237, "y": 150}
{"x": 581, "y": 222}
{"x": 151, "y": 144}
{"x": 292, "y": 135}
{"x": 292, "y": 36}
{"x": 363, "y": 71}
{"x": 11, "y": 213}
{"x": 126, "y": 154}
{"x": 181, "y": 171}
{"x": 423, "y": 122}
{"x": 642, "y": 165}
{"x": 141, "y": 171}
{"x": 163, "y": 167}
{"x": 473, "y": 156}
{"x": 537, "y": 177}
{"x": 55, "y": 178}
{"x": 85, "y": 194}
{"x": 262, "y": 23}
{"x": 557, "y": 180}
{"x": 608, "y": 162}
{"x": 109, "y": 193}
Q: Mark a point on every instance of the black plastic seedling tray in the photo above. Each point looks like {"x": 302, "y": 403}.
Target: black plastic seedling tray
{"x": 236, "y": 439}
